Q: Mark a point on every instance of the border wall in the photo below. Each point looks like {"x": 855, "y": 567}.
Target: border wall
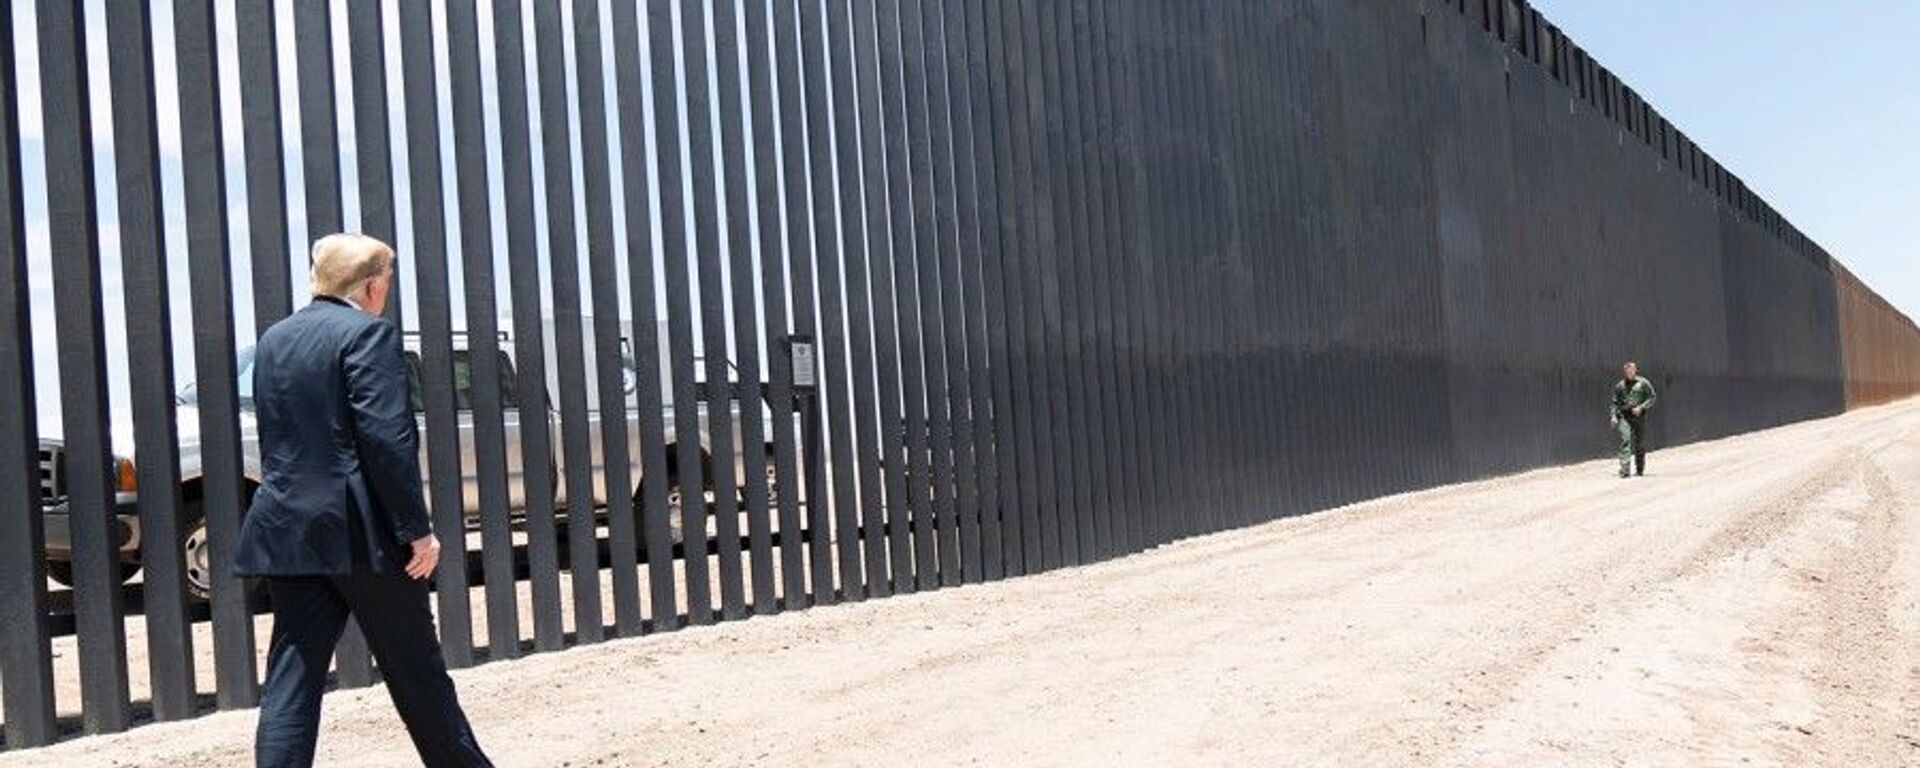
{"x": 1009, "y": 286}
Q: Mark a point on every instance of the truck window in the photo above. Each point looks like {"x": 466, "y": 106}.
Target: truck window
{"x": 414, "y": 391}
{"x": 462, "y": 381}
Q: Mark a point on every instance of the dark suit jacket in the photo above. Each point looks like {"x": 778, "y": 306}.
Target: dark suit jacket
{"x": 340, "y": 453}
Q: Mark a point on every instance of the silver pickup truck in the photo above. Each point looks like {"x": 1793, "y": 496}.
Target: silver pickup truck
{"x": 193, "y": 537}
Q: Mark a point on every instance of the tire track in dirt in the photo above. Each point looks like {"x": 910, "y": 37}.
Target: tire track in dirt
{"x": 1814, "y": 561}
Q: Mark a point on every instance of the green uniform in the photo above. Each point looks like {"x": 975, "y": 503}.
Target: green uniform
{"x": 1628, "y": 395}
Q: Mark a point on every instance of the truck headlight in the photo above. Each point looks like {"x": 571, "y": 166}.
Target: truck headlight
{"x": 124, "y": 478}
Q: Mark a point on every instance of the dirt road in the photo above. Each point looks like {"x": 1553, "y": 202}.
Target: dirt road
{"x": 1753, "y": 601}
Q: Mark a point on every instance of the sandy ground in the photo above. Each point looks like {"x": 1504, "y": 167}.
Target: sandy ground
{"x": 1754, "y": 601}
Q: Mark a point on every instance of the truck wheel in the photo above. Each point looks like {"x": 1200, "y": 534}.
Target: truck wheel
{"x": 773, "y": 486}
{"x": 62, "y": 572}
{"x": 197, "y": 557}
{"x": 640, "y": 516}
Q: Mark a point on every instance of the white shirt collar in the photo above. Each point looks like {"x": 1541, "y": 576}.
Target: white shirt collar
{"x": 351, "y": 303}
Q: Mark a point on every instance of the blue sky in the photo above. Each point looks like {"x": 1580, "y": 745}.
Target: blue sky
{"x": 1816, "y": 105}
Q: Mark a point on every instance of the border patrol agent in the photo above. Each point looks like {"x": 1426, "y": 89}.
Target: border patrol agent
{"x": 1627, "y": 412}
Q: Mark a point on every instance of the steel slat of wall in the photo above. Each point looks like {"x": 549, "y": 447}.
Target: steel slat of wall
{"x": 1222, "y": 224}
{"x": 1287, "y": 316}
{"x": 1110, "y": 480}
{"x": 616, "y": 446}
{"x": 1149, "y": 109}
{"x": 836, "y": 508}
{"x": 143, "y": 262}
{"x": 936, "y": 546}
{"x": 686, "y": 460}
{"x": 1229, "y": 149}
{"x": 967, "y": 367}
{"x": 889, "y": 568}
{"x": 258, "y": 50}
{"x": 1281, "y": 342}
{"x": 779, "y": 175}
{"x": 1247, "y": 276}
{"x": 746, "y": 320}
{"x": 26, "y": 658}
{"x": 1344, "y": 357}
{"x": 530, "y": 355}
{"x": 441, "y": 426}
{"x": 948, "y": 398}
{"x": 713, "y": 325}
{"x": 74, "y": 238}
{"x": 922, "y": 346}
{"x": 1044, "y": 347}
{"x": 1082, "y": 357}
{"x": 854, "y": 120}
{"x": 1106, "y": 487}
{"x": 1024, "y": 215}
{"x": 576, "y": 455}
{"x": 1012, "y": 452}
{"x": 1225, "y": 221}
{"x": 1152, "y": 213}
{"x": 896, "y": 303}
{"x": 1156, "y": 105}
{"x": 1115, "y": 265}
{"x": 981, "y": 238}
{"x": 655, "y": 525}
{"x": 802, "y": 468}
{"x": 1260, "y": 496}
{"x": 373, "y": 156}
{"x": 905, "y": 139}
{"x": 1189, "y": 259}
{"x": 1061, "y": 282}
{"x": 223, "y": 491}
{"x": 1129, "y": 233}
{"x": 483, "y": 329}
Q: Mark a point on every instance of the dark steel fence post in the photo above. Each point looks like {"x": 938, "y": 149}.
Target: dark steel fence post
{"x": 663, "y": 38}
{"x": 845, "y": 367}
{"x": 26, "y": 655}
{"x": 784, "y": 197}
{"x": 143, "y": 262}
{"x": 73, "y": 227}
{"x": 616, "y": 467}
{"x": 707, "y": 283}
{"x": 747, "y": 391}
{"x": 563, "y": 263}
{"x": 223, "y": 491}
{"x": 655, "y": 528}
{"x": 441, "y": 437}
{"x": 530, "y": 353}
{"x": 483, "y": 329}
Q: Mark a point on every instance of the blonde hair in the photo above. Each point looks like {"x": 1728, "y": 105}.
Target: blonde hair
{"x": 344, "y": 263}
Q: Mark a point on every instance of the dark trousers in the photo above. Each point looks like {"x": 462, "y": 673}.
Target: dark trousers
{"x": 309, "y": 613}
{"x": 1633, "y": 445}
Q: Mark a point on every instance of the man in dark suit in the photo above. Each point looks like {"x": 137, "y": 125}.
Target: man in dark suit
{"x": 339, "y": 527}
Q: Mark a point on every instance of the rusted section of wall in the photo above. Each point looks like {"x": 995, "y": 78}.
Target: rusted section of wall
{"x": 1879, "y": 345}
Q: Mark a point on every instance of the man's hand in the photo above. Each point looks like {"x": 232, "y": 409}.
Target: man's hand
{"x": 1613, "y": 421}
{"x": 1638, "y": 409}
{"x": 426, "y": 555}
